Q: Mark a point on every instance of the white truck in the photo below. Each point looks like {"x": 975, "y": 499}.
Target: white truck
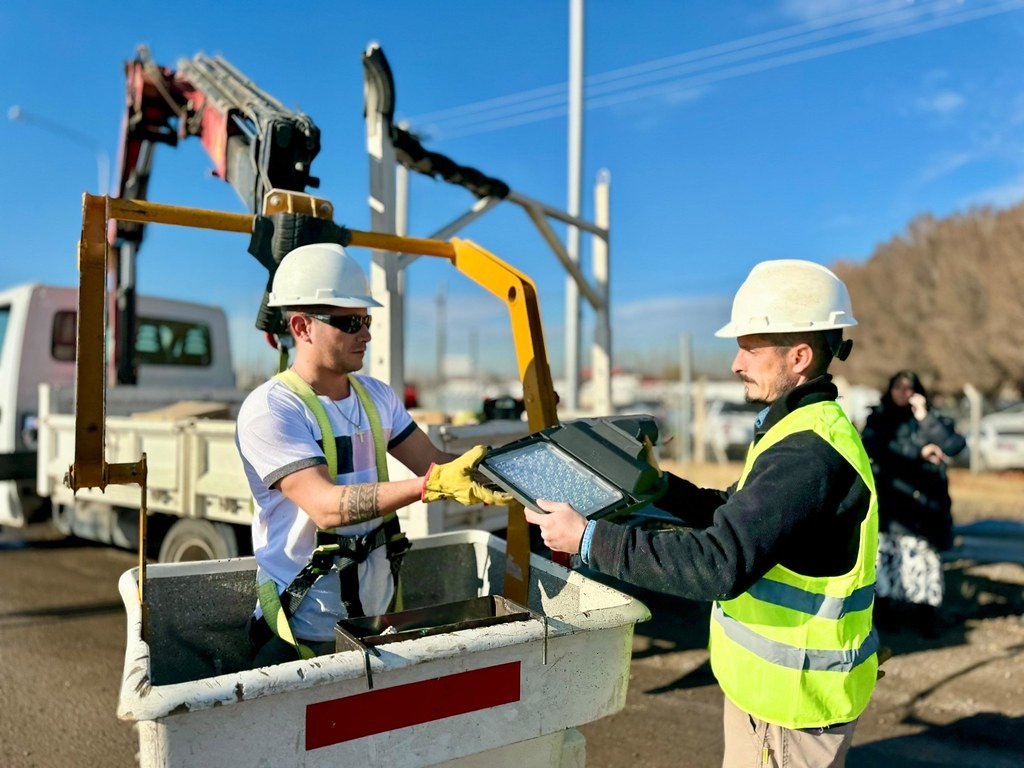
{"x": 180, "y": 413}
{"x": 180, "y": 347}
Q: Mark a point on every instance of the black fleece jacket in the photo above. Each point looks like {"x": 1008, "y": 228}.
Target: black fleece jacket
{"x": 801, "y": 507}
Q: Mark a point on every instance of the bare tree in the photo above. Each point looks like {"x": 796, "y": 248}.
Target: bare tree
{"x": 943, "y": 299}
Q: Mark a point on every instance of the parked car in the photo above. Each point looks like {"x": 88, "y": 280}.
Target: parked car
{"x": 730, "y": 427}
{"x": 1001, "y": 439}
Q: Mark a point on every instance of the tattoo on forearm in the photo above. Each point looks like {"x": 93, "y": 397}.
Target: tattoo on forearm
{"x": 358, "y": 503}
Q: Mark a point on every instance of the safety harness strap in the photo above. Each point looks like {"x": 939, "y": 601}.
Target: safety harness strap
{"x": 380, "y": 449}
{"x": 396, "y": 542}
{"x": 277, "y": 618}
{"x": 300, "y": 387}
{"x": 348, "y": 550}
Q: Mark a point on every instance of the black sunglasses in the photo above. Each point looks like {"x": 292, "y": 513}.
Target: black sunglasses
{"x": 345, "y": 323}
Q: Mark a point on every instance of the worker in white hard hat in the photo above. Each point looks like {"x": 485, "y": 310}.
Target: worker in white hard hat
{"x": 313, "y": 442}
{"x": 786, "y": 555}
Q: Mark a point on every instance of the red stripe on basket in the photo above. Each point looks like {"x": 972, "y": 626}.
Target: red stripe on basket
{"x": 401, "y": 706}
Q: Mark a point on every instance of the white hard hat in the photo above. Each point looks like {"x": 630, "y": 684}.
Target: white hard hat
{"x": 789, "y": 295}
{"x": 320, "y": 273}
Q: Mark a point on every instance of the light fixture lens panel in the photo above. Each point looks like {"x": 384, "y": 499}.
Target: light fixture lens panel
{"x": 543, "y": 471}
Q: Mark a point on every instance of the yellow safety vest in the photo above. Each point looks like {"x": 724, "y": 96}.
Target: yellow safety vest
{"x": 801, "y": 651}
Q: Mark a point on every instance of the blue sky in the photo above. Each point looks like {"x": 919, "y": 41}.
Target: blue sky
{"x": 732, "y": 131}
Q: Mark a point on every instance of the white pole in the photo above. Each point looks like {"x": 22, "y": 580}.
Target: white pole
{"x": 601, "y": 355}
{"x": 387, "y": 360}
{"x": 575, "y": 151}
{"x": 440, "y": 334}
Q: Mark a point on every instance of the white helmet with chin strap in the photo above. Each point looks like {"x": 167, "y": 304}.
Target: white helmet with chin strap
{"x": 320, "y": 274}
{"x": 791, "y": 295}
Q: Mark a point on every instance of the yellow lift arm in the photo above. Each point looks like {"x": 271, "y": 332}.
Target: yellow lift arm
{"x": 91, "y": 469}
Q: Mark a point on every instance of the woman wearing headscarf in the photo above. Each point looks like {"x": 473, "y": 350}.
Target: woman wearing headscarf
{"x": 909, "y": 444}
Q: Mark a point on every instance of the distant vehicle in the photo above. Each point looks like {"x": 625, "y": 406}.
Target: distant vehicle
{"x": 503, "y": 408}
{"x": 649, "y": 407}
{"x": 729, "y": 428}
{"x": 1001, "y": 439}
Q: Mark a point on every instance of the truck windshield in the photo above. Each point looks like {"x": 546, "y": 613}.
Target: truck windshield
{"x": 158, "y": 341}
{"x": 172, "y": 342}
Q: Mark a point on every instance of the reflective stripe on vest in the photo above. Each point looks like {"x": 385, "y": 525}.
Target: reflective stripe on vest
{"x": 794, "y": 658}
{"x": 266, "y": 588}
{"x": 795, "y": 650}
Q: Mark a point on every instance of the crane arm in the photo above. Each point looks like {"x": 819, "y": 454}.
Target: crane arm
{"x": 255, "y": 143}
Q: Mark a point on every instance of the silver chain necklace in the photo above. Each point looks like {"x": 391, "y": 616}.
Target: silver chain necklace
{"x": 357, "y": 425}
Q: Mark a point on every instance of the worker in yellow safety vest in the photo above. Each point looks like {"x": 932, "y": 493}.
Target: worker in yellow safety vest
{"x": 314, "y": 442}
{"x": 786, "y": 554}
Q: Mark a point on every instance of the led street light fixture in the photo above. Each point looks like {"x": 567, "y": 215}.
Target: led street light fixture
{"x": 599, "y": 466}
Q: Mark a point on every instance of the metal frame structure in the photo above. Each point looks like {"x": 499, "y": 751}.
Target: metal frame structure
{"x": 389, "y": 211}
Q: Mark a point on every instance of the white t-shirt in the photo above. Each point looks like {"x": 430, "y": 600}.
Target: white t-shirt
{"x": 277, "y": 435}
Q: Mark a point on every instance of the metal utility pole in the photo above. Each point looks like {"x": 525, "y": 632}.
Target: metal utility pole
{"x": 474, "y": 354}
{"x": 384, "y": 193}
{"x": 386, "y": 360}
{"x": 575, "y": 151}
{"x": 601, "y": 349}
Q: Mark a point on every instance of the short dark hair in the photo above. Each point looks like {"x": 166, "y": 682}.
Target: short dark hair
{"x": 824, "y": 344}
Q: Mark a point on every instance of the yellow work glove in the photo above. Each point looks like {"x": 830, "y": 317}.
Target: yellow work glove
{"x": 651, "y": 456}
{"x": 455, "y": 480}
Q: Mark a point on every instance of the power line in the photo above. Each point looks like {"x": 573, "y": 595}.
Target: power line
{"x": 543, "y": 95}
{"x": 812, "y": 53}
{"x": 729, "y": 54}
{"x": 869, "y": 14}
{"x": 552, "y": 106}
{"x": 626, "y": 84}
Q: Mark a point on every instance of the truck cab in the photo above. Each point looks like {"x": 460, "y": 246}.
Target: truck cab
{"x": 178, "y": 345}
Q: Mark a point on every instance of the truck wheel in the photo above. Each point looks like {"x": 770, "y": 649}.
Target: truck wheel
{"x": 188, "y": 540}
{"x": 63, "y": 518}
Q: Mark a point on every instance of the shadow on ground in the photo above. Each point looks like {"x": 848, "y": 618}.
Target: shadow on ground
{"x": 986, "y": 739}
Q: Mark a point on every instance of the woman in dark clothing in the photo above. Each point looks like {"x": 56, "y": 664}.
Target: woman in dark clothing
{"x": 909, "y": 444}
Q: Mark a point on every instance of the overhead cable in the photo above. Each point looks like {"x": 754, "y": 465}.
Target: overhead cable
{"x": 666, "y": 75}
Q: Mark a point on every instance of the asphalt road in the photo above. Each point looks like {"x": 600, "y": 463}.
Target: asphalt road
{"x": 62, "y": 640}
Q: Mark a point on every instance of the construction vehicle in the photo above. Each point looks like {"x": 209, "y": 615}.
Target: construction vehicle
{"x": 255, "y": 143}
{"x": 199, "y": 498}
{"x": 499, "y": 654}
